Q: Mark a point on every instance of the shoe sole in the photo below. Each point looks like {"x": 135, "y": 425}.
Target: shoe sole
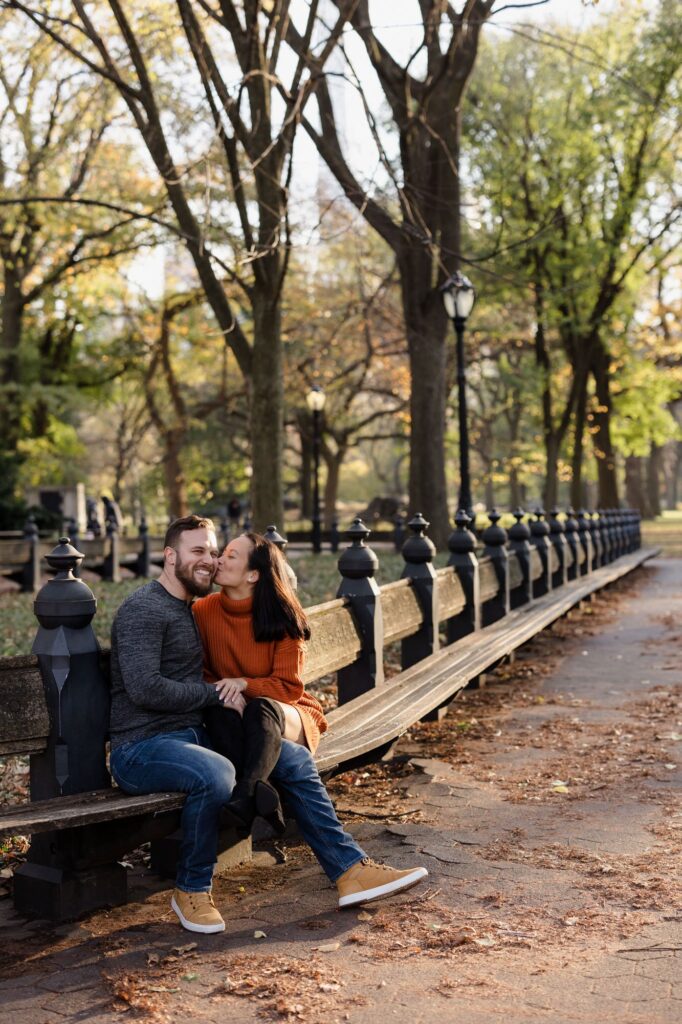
{"x": 379, "y": 891}
{"x": 203, "y": 929}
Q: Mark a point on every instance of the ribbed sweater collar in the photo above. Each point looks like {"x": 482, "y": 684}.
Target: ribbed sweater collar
{"x": 243, "y": 607}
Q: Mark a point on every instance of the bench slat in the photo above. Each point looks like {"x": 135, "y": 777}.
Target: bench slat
{"x": 84, "y": 809}
{"x": 24, "y": 721}
{"x": 334, "y": 640}
{"x": 401, "y": 610}
{"x": 451, "y": 598}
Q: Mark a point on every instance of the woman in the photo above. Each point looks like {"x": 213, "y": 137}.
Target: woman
{"x": 253, "y": 633}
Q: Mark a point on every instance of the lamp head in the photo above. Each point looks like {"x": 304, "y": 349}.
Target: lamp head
{"x": 458, "y": 296}
{"x": 316, "y": 398}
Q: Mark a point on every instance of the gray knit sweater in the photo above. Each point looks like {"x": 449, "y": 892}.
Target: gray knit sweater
{"x": 156, "y": 667}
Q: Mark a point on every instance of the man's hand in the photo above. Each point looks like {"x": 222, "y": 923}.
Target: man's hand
{"x": 228, "y": 689}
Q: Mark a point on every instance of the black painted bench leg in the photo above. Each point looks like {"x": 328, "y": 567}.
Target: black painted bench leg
{"x": 57, "y": 883}
{"x": 232, "y": 850}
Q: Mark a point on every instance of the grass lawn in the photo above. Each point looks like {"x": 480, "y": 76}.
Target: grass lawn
{"x": 665, "y": 532}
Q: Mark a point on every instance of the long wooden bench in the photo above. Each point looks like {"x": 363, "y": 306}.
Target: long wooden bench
{"x": 106, "y": 823}
{"x": 21, "y": 557}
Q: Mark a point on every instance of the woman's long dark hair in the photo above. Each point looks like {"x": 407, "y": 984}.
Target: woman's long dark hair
{"x": 277, "y": 612}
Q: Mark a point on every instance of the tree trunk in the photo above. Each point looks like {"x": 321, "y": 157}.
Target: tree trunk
{"x": 551, "y": 490}
{"x": 635, "y": 490}
{"x": 426, "y": 325}
{"x": 653, "y": 480}
{"x": 579, "y": 420}
{"x": 176, "y": 483}
{"x": 267, "y": 401}
{"x": 676, "y": 471}
{"x": 489, "y": 490}
{"x": 603, "y": 445}
{"x": 514, "y": 488}
{"x": 551, "y": 437}
{"x": 333, "y": 462}
{"x": 10, "y": 392}
{"x": 305, "y": 485}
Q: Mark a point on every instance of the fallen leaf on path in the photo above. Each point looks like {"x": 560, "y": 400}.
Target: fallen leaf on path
{"x": 183, "y": 950}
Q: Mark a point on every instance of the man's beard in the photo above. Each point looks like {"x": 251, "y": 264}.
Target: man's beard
{"x": 191, "y": 585}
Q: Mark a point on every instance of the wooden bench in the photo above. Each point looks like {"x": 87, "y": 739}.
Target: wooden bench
{"x": 21, "y": 557}
{"x": 96, "y": 828}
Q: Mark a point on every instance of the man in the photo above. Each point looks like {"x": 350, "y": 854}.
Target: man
{"x": 158, "y": 743}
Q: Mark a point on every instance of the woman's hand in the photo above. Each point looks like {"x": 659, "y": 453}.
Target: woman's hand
{"x": 237, "y": 704}
{"x": 229, "y": 689}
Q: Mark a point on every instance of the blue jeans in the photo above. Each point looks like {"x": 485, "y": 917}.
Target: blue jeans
{"x": 183, "y": 762}
{"x": 306, "y": 797}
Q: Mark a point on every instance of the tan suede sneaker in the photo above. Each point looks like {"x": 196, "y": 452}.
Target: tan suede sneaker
{"x": 367, "y": 881}
{"x": 197, "y": 912}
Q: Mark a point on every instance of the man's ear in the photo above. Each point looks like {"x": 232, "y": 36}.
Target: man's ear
{"x": 167, "y": 552}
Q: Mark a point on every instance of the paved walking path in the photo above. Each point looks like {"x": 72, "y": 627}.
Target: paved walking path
{"x": 547, "y": 809}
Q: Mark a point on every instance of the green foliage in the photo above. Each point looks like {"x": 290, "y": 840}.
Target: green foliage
{"x": 572, "y": 145}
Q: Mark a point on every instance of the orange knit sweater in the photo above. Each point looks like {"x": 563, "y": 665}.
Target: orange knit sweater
{"x": 271, "y": 668}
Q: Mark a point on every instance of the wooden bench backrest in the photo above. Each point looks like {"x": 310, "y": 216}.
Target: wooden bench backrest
{"x": 334, "y": 643}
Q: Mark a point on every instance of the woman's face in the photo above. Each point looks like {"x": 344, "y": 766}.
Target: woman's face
{"x": 233, "y": 568}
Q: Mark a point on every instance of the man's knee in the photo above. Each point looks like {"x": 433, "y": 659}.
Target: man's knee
{"x": 217, "y": 782}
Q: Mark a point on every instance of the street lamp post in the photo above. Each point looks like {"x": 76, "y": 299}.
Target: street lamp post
{"x": 315, "y": 400}
{"x": 458, "y": 299}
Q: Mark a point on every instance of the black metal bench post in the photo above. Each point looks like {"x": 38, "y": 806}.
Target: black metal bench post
{"x": 30, "y": 574}
{"x": 571, "y": 534}
{"x": 72, "y": 532}
{"x": 586, "y": 543}
{"x": 633, "y": 516}
{"x": 275, "y": 537}
{"x": 143, "y": 564}
{"x": 606, "y": 556}
{"x": 617, "y": 548}
{"x": 399, "y": 520}
{"x": 418, "y": 552}
{"x": 334, "y": 536}
{"x": 613, "y": 533}
{"x": 620, "y": 525}
{"x": 625, "y": 529}
{"x": 65, "y": 875}
{"x": 111, "y": 570}
{"x": 539, "y": 534}
{"x": 519, "y": 537}
{"x": 599, "y": 556}
{"x": 357, "y": 565}
{"x": 462, "y": 545}
{"x": 495, "y": 541}
{"x": 557, "y": 537}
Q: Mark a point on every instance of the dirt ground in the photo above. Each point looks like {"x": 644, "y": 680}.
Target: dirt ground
{"x": 546, "y": 806}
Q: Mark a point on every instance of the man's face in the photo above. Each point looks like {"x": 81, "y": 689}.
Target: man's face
{"x": 195, "y": 560}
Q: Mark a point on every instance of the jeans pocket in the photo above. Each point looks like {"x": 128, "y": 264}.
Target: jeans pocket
{"x": 124, "y": 767}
